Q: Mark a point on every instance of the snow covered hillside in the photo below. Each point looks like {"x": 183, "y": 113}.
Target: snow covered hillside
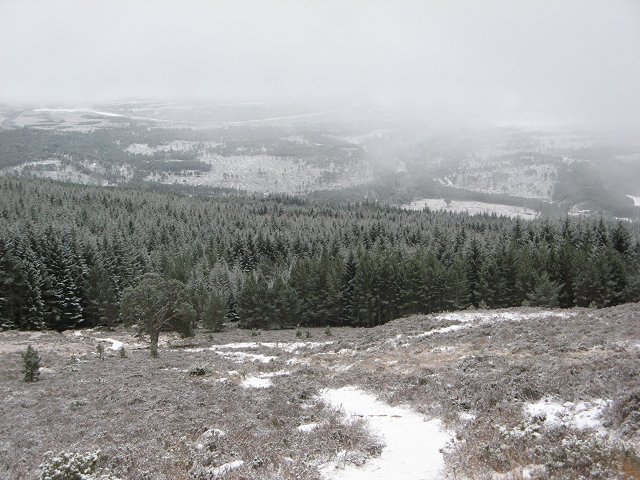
{"x": 504, "y": 394}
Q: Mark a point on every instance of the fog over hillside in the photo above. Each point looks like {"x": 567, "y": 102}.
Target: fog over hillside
{"x": 573, "y": 60}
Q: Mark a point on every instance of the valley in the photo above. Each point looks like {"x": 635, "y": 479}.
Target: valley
{"x": 356, "y": 151}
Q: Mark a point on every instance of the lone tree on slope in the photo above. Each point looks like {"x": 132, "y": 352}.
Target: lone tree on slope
{"x": 158, "y": 304}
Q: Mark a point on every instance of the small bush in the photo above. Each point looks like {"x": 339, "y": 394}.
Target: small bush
{"x": 31, "y": 364}
{"x": 307, "y": 334}
{"x": 69, "y": 466}
{"x": 198, "y": 370}
{"x": 73, "y": 466}
{"x": 123, "y": 352}
{"x": 298, "y": 333}
{"x": 100, "y": 351}
{"x": 328, "y": 332}
{"x": 255, "y": 333}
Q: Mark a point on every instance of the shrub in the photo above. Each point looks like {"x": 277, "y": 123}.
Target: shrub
{"x": 31, "y": 364}
{"x": 198, "y": 370}
{"x": 69, "y": 466}
{"x": 298, "y": 333}
{"x": 123, "y": 352}
{"x": 73, "y": 466}
{"x": 327, "y": 331}
{"x": 100, "y": 351}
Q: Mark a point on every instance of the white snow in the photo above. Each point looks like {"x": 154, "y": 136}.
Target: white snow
{"x": 115, "y": 344}
{"x": 413, "y": 444}
{"x": 279, "y": 373}
{"x": 293, "y": 347}
{"x": 636, "y": 200}
{"x": 500, "y": 316}
{"x": 240, "y": 357}
{"x": 450, "y": 328}
{"x": 263, "y": 380}
{"x": 472, "y": 208}
{"x": 580, "y": 415}
{"x": 222, "y": 470}
{"x": 206, "y": 437}
{"x": 236, "y": 346}
{"x": 256, "y": 382}
{"x": 307, "y": 427}
{"x": 290, "y": 347}
{"x": 470, "y": 319}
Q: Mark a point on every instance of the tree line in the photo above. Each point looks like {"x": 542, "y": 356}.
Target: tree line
{"x": 70, "y": 253}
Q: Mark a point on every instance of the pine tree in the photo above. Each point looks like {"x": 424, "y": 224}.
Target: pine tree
{"x": 545, "y": 293}
{"x": 347, "y": 312}
{"x": 473, "y": 267}
{"x": 286, "y": 305}
{"x": 213, "y": 315}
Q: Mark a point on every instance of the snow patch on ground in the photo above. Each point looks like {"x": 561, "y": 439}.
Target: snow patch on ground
{"x": 469, "y": 319}
{"x": 472, "y": 208}
{"x": 636, "y": 200}
{"x": 289, "y": 347}
{"x": 263, "y": 380}
{"x": 294, "y": 347}
{"x": 240, "y": 357}
{"x": 307, "y": 427}
{"x": 256, "y": 382}
{"x": 206, "y": 437}
{"x": 222, "y": 470}
{"x": 414, "y": 456}
{"x": 279, "y": 373}
{"x": 501, "y": 316}
{"x": 236, "y": 346}
{"x": 115, "y": 344}
{"x": 580, "y": 415}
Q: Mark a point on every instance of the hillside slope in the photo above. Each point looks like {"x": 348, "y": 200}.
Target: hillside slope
{"x": 522, "y": 392}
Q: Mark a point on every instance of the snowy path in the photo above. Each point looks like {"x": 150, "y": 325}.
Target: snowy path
{"x": 412, "y": 450}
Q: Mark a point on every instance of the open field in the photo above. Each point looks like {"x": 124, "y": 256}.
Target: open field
{"x": 510, "y": 394}
{"x": 472, "y": 208}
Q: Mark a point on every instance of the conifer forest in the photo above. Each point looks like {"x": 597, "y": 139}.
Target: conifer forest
{"x": 68, "y": 252}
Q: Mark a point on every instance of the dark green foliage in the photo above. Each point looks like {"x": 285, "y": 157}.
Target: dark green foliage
{"x": 214, "y": 313}
{"x": 545, "y": 293}
{"x": 68, "y": 254}
{"x": 30, "y": 364}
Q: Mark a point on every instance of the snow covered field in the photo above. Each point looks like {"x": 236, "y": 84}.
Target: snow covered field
{"x": 472, "y": 208}
{"x": 262, "y": 173}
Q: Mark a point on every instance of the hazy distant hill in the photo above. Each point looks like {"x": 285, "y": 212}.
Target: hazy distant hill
{"x": 348, "y": 152}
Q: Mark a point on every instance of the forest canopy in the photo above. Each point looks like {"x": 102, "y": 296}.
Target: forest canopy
{"x": 68, "y": 254}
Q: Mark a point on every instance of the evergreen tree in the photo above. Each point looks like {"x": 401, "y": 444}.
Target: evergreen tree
{"x": 545, "y": 293}
{"x": 214, "y": 312}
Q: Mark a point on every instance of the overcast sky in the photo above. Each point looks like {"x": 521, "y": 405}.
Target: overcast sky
{"x": 571, "y": 57}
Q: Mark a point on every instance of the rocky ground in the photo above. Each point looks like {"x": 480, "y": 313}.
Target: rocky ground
{"x": 503, "y": 394}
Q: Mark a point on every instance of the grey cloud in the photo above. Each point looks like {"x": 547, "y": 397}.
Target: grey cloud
{"x": 576, "y": 58}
